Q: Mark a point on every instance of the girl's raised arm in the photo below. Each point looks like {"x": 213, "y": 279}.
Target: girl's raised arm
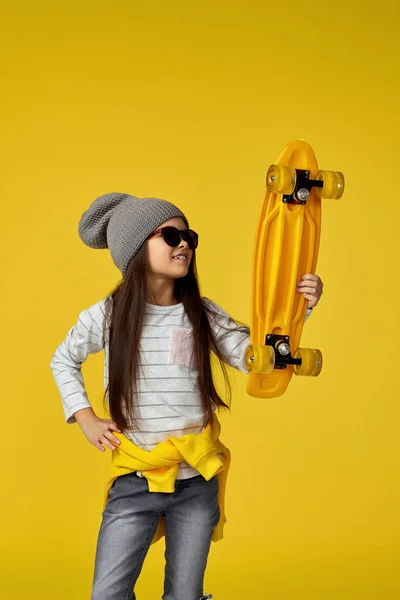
{"x": 232, "y": 338}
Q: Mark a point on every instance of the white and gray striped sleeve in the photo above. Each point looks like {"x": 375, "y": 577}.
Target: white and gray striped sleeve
{"x": 232, "y": 338}
{"x": 85, "y": 337}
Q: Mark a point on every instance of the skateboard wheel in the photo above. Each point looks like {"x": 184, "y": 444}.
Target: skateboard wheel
{"x": 260, "y": 359}
{"x": 281, "y": 179}
{"x": 333, "y": 184}
{"x": 311, "y": 362}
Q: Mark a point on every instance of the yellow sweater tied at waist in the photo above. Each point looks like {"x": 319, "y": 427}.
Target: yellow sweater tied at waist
{"x": 160, "y": 465}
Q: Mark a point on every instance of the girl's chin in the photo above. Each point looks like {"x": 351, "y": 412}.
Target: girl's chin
{"x": 182, "y": 269}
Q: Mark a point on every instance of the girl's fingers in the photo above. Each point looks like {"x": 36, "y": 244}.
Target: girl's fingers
{"x": 312, "y": 280}
{"x": 104, "y": 440}
{"x": 311, "y": 276}
{"x": 112, "y": 437}
{"x": 114, "y": 427}
{"x": 308, "y": 289}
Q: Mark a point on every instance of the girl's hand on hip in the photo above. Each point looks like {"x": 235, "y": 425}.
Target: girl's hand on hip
{"x": 99, "y": 431}
{"x": 312, "y": 287}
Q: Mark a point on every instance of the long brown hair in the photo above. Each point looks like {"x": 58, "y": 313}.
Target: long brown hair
{"x": 125, "y": 308}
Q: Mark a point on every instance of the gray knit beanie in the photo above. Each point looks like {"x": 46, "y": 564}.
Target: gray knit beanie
{"x": 121, "y": 223}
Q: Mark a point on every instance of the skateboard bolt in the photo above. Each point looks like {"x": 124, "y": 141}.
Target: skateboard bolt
{"x": 284, "y": 348}
{"x": 302, "y": 194}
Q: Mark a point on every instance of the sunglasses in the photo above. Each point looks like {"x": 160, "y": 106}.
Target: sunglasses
{"x": 172, "y": 236}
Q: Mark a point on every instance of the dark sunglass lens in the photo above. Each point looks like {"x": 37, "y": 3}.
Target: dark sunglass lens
{"x": 171, "y": 236}
{"x": 191, "y": 238}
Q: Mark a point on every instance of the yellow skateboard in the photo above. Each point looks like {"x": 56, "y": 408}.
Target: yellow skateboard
{"x": 286, "y": 247}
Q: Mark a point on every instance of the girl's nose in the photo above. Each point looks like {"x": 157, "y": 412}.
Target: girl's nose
{"x": 183, "y": 244}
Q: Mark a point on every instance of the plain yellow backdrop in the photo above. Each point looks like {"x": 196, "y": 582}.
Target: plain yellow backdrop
{"x": 191, "y": 102}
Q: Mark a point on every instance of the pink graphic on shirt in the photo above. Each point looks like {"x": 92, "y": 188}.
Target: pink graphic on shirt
{"x": 182, "y": 347}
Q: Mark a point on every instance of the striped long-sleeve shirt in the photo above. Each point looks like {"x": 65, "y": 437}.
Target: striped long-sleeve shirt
{"x": 168, "y": 399}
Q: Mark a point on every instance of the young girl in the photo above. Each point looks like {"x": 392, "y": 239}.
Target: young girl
{"x": 169, "y": 467}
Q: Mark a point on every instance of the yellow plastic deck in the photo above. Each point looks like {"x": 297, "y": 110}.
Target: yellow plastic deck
{"x": 286, "y": 247}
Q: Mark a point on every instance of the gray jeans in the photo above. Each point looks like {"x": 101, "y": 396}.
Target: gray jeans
{"x": 129, "y": 522}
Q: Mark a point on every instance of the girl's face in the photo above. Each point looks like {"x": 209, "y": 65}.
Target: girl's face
{"x": 161, "y": 257}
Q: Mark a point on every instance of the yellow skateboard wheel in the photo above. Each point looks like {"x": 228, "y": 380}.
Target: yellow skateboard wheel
{"x": 281, "y": 179}
{"x": 311, "y": 362}
{"x": 333, "y": 184}
{"x": 260, "y": 359}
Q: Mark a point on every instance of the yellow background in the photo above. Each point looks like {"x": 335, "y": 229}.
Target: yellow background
{"x": 191, "y": 102}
